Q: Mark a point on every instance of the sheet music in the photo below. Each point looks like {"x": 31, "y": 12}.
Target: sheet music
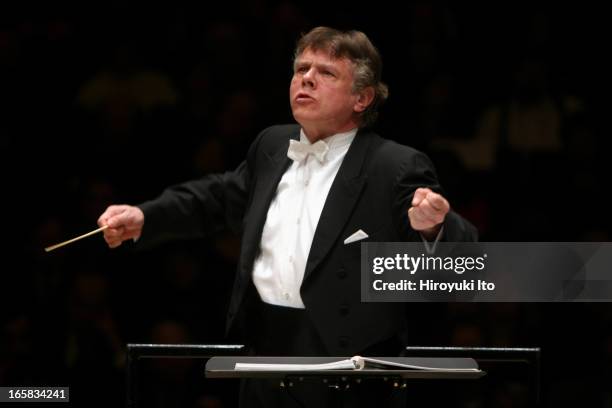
{"x": 354, "y": 363}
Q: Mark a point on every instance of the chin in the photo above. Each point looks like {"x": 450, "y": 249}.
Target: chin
{"x": 301, "y": 117}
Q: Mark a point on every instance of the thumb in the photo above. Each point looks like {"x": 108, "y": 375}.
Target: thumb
{"x": 419, "y": 195}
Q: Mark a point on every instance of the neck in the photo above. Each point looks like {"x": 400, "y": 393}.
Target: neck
{"x": 314, "y": 134}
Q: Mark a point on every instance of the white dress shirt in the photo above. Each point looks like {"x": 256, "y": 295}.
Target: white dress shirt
{"x": 292, "y": 220}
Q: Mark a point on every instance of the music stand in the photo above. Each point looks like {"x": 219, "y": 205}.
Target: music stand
{"x": 225, "y": 367}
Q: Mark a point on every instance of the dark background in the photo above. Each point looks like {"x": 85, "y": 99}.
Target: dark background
{"x": 113, "y": 101}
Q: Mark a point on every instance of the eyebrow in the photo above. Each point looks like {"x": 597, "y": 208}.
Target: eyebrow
{"x": 317, "y": 65}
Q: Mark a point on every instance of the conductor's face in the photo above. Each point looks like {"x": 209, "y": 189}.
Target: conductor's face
{"x": 321, "y": 95}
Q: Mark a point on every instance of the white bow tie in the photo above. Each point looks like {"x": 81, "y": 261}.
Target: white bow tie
{"x": 298, "y": 151}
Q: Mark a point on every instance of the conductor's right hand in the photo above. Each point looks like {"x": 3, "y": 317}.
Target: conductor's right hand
{"x": 124, "y": 222}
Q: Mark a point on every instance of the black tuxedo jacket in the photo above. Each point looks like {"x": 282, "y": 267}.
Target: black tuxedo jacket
{"x": 372, "y": 192}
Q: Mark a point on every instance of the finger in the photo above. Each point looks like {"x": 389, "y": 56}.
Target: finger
{"x": 414, "y": 220}
{"x": 114, "y": 241}
{"x": 418, "y": 220}
{"x": 110, "y": 212}
{"x": 111, "y": 240}
{"x": 426, "y": 215}
{"x": 437, "y": 201}
{"x": 419, "y": 194}
{"x": 430, "y": 212}
{"x": 114, "y": 233}
{"x": 114, "y": 244}
{"x": 119, "y": 220}
{"x": 103, "y": 219}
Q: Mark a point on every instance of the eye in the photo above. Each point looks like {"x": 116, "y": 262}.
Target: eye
{"x": 328, "y": 73}
{"x": 301, "y": 70}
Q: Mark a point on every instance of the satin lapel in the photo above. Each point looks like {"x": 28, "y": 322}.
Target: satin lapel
{"x": 342, "y": 197}
{"x": 268, "y": 177}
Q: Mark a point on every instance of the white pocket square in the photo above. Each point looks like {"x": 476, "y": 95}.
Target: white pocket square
{"x": 357, "y": 236}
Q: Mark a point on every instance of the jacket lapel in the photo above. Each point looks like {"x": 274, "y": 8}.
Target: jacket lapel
{"x": 342, "y": 197}
{"x": 275, "y": 165}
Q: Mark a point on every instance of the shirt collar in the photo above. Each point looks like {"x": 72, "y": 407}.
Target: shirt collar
{"x": 337, "y": 141}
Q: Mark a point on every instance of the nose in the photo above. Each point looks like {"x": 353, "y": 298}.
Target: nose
{"x": 308, "y": 79}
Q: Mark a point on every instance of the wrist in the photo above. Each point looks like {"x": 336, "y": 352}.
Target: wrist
{"x": 431, "y": 234}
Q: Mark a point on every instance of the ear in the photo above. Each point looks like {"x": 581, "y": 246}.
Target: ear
{"x": 364, "y": 99}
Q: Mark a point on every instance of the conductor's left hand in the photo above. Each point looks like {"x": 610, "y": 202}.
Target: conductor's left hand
{"x": 428, "y": 212}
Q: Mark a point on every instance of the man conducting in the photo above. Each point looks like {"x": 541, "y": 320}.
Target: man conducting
{"x": 304, "y": 199}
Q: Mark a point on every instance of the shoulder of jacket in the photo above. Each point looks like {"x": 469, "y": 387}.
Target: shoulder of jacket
{"x": 390, "y": 154}
{"x": 279, "y": 132}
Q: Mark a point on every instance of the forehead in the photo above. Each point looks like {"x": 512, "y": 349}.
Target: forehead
{"x": 322, "y": 57}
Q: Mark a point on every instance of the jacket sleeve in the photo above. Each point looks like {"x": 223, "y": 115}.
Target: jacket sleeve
{"x": 201, "y": 207}
{"x": 418, "y": 171}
